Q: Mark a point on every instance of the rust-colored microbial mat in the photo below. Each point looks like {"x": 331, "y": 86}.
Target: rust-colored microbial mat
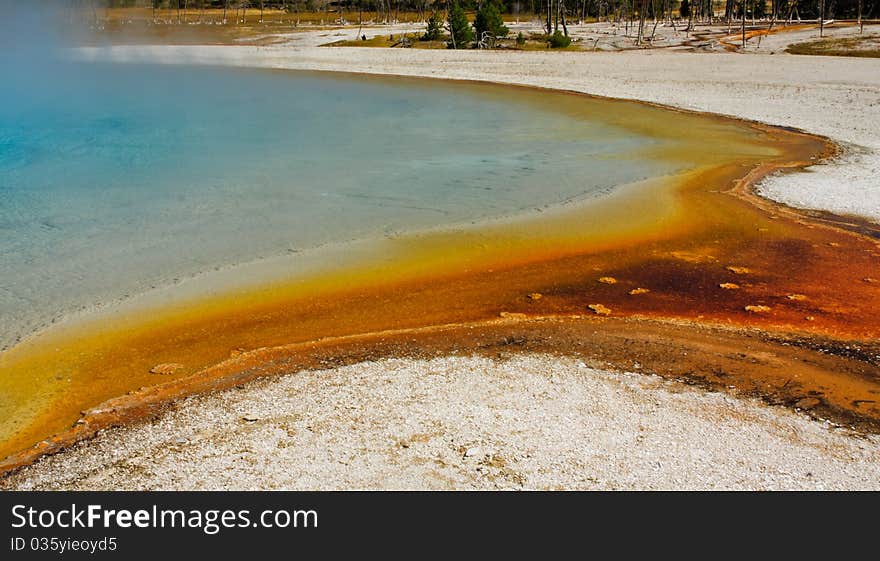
{"x": 689, "y": 276}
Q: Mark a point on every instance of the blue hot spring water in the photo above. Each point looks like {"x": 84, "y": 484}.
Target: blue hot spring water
{"x": 118, "y": 178}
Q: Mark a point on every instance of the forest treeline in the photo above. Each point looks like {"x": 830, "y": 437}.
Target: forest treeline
{"x": 573, "y": 10}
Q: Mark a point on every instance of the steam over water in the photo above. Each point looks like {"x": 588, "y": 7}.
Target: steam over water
{"x": 117, "y": 178}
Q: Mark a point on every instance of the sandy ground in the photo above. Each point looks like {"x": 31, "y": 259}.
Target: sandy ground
{"x": 534, "y": 422}
{"x": 778, "y": 42}
{"x": 537, "y": 422}
{"x": 603, "y": 36}
{"x": 836, "y": 97}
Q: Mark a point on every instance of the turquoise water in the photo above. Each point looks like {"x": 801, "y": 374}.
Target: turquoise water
{"x": 116, "y": 179}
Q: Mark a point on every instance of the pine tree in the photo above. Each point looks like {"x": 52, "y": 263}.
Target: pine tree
{"x": 460, "y": 31}
{"x": 489, "y": 20}
{"x": 685, "y": 9}
{"x": 559, "y": 40}
{"x": 434, "y": 29}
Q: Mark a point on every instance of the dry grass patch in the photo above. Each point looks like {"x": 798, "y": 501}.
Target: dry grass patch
{"x": 863, "y": 46}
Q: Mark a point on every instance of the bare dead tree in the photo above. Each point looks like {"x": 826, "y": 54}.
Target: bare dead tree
{"x": 360, "y": 18}
{"x": 643, "y": 8}
{"x": 690, "y": 21}
{"x": 244, "y": 5}
{"x": 772, "y": 20}
{"x": 556, "y": 18}
{"x": 728, "y": 13}
{"x": 549, "y": 17}
{"x": 562, "y": 10}
{"x": 794, "y": 12}
{"x": 861, "y": 21}
{"x": 656, "y": 19}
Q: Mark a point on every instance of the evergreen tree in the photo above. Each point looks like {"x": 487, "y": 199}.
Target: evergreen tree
{"x": 434, "y": 30}
{"x": 559, "y": 40}
{"x": 460, "y": 31}
{"x": 489, "y": 20}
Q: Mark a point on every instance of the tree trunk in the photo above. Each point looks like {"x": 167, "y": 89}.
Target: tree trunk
{"x": 642, "y": 12}
{"x": 772, "y": 22}
{"x": 556, "y": 18}
{"x": 690, "y": 22}
{"x": 549, "y": 17}
{"x": 656, "y": 19}
{"x": 729, "y": 9}
{"x": 562, "y": 10}
{"x": 861, "y": 21}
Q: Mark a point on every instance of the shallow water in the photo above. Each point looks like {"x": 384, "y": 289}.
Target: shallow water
{"x": 130, "y": 177}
